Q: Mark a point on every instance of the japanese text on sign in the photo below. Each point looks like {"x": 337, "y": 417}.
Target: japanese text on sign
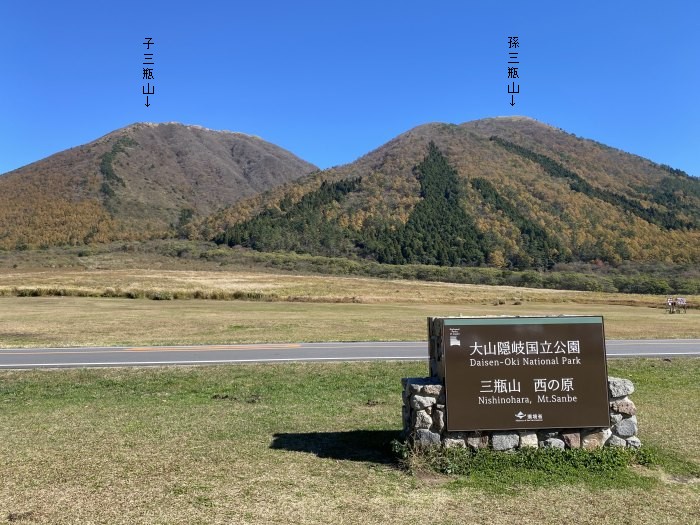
{"x": 525, "y": 348}
{"x": 517, "y": 373}
{"x": 149, "y": 88}
{"x": 513, "y": 66}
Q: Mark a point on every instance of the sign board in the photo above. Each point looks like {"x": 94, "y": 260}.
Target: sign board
{"x": 525, "y": 373}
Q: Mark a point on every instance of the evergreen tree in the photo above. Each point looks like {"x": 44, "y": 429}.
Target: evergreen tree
{"x": 439, "y": 230}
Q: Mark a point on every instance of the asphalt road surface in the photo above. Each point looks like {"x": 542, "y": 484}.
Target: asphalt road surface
{"x": 22, "y": 358}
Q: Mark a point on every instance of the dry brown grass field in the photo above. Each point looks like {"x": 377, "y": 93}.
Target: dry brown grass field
{"x": 287, "y": 307}
{"x": 289, "y": 287}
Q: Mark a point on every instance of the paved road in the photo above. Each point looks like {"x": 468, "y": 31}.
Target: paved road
{"x": 260, "y": 353}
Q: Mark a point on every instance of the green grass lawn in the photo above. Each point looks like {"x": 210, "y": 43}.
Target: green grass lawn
{"x": 299, "y": 443}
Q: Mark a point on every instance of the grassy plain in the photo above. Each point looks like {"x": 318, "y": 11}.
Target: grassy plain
{"x": 282, "y": 287}
{"x": 278, "y": 286}
{"x": 75, "y": 321}
{"x": 266, "y": 444}
{"x": 81, "y": 302}
{"x": 294, "y": 443}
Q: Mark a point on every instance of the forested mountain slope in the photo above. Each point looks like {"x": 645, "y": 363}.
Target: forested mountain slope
{"x": 141, "y": 181}
{"x": 508, "y": 192}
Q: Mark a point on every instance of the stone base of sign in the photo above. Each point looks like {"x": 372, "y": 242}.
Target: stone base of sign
{"x": 424, "y": 423}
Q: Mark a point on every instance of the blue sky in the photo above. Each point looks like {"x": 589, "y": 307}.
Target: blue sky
{"x": 332, "y": 80}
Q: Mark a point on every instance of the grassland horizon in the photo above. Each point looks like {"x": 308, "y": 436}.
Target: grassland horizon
{"x": 296, "y": 443}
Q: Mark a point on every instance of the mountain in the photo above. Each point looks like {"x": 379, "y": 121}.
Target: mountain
{"x": 136, "y": 183}
{"x": 509, "y": 192}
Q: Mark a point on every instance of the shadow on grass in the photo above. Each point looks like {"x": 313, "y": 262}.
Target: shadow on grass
{"x": 371, "y": 446}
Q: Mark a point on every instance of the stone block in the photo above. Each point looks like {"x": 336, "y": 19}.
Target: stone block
{"x": 606, "y": 432}
{"x": 620, "y": 387}
{"x": 572, "y": 439}
{"x": 633, "y": 442}
{"x": 596, "y": 438}
{"x": 624, "y": 406}
{"x": 626, "y": 428}
{"x": 476, "y": 440}
{"x": 426, "y": 438}
{"x": 454, "y": 443}
{"x": 432, "y": 390}
{"x": 421, "y": 419}
{"x": 615, "y": 419}
{"x": 528, "y": 439}
{"x": 615, "y": 441}
{"x": 554, "y": 443}
{"x": 414, "y": 385}
{"x": 505, "y": 440}
{"x": 422, "y": 402}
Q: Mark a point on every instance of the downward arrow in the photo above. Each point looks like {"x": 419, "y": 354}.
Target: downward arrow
{"x": 147, "y": 104}
{"x": 512, "y": 100}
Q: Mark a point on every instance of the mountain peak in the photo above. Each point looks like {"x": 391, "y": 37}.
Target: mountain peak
{"x": 514, "y": 118}
{"x": 137, "y": 182}
{"x": 195, "y": 127}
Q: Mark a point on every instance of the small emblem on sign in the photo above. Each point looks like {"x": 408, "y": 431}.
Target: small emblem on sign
{"x": 454, "y": 340}
{"x": 520, "y": 416}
